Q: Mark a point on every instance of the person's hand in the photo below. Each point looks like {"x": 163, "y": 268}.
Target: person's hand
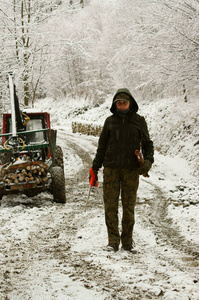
{"x": 145, "y": 168}
{"x": 96, "y": 177}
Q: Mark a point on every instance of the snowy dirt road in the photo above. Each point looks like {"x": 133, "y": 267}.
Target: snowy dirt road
{"x": 54, "y": 251}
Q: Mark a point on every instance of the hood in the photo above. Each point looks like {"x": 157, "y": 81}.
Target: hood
{"x": 133, "y": 106}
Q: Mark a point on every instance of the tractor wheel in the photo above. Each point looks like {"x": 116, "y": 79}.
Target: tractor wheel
{"x": 58, "y": 184}
{"x": 59, "y": 161}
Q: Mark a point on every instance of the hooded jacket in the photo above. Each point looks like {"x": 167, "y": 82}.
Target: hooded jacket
{"x": 121, "y": 136}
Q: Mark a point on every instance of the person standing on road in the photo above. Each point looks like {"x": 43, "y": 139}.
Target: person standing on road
{"x": 123, "y": 133}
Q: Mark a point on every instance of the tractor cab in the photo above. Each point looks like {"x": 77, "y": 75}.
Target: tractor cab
{"x": 33, "y": 137}
{"x": 34, "y": 125}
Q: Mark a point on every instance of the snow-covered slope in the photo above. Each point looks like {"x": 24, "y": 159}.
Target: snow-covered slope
{"x": 173, "y": 124}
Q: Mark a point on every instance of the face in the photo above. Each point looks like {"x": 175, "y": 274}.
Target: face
{"x": 122, "y": 104}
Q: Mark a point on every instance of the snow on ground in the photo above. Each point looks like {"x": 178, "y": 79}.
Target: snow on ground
{"x": 35, "y": 262}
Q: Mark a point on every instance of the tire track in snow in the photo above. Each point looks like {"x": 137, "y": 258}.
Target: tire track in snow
{"x": 165, "y": 228}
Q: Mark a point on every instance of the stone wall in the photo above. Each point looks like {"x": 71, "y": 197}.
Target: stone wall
{"x": 87, "y": 129}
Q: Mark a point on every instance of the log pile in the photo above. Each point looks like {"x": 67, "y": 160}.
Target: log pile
{"x": 25, "y": 173}
{"x": 87, "y": 129}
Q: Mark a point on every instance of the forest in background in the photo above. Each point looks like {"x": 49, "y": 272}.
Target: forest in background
{"x": 89, "y": 48}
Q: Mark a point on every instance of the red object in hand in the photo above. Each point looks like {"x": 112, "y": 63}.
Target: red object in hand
{"x": 93, "y": 180}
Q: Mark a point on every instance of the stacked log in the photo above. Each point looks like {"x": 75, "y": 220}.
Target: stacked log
{"x": 25, "y": 173}
{"x": 87, "y": 129}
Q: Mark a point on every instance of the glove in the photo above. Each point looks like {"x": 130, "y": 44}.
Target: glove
{"x": 96, "y": 177}
{"x": 145, "y": 168}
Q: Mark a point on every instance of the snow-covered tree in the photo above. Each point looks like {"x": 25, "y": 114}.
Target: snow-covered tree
{"x": 90, "y": 48}
{"x": 155, "y": 46}
{"x": 24, "y": 47}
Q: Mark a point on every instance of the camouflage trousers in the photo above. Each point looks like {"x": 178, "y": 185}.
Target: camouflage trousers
{"x": 116, "y": 182}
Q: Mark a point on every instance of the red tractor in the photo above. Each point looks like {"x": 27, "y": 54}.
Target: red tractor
{"x": 31, "y": 162}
